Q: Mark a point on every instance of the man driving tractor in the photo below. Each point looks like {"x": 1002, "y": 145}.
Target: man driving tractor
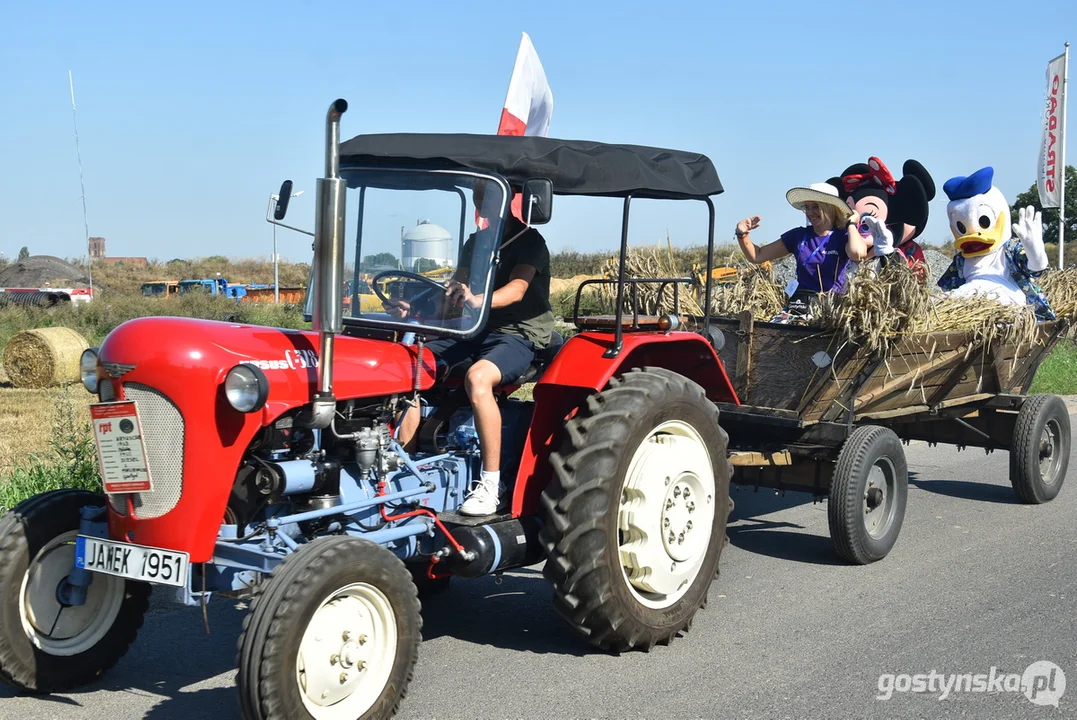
{"x": 520, "y": 325}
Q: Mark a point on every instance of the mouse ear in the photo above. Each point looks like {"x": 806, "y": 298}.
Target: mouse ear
{"x": 915, "y": 169}
{"x": 910, "y": 205}
{"x": 837, "y": 183}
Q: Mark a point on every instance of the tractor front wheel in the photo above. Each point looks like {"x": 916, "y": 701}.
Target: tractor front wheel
{"x": 333, "y": 635}
{"x": 47, "y": 645}
{"x": 636, "y": 511}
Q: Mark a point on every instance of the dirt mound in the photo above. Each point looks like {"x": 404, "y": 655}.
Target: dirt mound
{"x": 43, "y": 271}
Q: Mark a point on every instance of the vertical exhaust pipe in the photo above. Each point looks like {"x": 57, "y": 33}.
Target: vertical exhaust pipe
{"x": 328, "y": 268}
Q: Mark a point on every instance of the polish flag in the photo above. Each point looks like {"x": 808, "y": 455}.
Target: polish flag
{"x": 528, "y": 104}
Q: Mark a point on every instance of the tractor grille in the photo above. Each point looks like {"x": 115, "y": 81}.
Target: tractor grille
{"x": 106, "y": 391}
{"x": 163, "y": 433}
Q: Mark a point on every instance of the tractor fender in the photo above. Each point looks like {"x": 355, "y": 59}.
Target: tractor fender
{"x": 580, "y": 368}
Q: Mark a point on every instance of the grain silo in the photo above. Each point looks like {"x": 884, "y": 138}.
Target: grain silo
{"x": 429, "y": 242}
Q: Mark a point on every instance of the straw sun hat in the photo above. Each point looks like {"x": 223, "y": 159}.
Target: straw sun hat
{"x": 822, "y": 193}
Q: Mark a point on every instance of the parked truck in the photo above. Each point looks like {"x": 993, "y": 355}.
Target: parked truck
{"x": 267, "y": 294}
{"x": 213, "y": 286}
{"x": 160, "y": 288}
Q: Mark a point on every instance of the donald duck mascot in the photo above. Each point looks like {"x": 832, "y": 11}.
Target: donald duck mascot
{"x": 992, "y": 262}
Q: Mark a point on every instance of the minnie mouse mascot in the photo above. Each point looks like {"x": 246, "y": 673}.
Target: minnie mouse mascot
{"x": 893, "y": 212}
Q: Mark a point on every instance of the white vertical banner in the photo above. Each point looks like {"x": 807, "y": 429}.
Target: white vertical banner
{"x": 1051, "y": 173}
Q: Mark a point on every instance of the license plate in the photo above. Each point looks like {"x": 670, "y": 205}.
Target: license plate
{"x": 136, "y": 562}
{"x": 121, "y": 450}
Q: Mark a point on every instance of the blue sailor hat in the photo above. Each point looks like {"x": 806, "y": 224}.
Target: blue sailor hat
{"x": 960, "y": 188}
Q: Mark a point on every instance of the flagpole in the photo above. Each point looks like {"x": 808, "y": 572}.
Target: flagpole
{"x": 1062, "y": 141}
{"x": 82, "y": 184}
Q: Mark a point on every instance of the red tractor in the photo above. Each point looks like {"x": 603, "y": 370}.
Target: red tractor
{"x": 264, "y": 463}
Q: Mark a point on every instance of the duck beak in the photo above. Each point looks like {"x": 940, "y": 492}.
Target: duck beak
{"x": 978, "y": 244}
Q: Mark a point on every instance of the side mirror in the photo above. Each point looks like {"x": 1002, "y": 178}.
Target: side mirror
{"x": 537, "y": 201}
{"x": 283, "y": 196}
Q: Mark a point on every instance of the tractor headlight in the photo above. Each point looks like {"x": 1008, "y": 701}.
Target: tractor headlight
{"x": 246, "y": 388}
{"x": 88, "y": 369}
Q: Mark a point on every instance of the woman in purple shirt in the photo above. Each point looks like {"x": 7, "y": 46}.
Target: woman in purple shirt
{"x": 823, "y": 249}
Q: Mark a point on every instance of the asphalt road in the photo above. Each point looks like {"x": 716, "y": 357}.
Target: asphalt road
{"x": 976, "y": 581}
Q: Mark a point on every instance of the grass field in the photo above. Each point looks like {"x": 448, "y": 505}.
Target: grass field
{"x": 1058, "y": 373}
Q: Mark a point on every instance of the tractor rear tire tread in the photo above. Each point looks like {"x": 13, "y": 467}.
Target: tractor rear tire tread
{"x": 577, "y": 528}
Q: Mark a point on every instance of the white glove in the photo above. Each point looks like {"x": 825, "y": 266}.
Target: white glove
{"x": 881, "y": 236}
{"x": 1029, "y": 230}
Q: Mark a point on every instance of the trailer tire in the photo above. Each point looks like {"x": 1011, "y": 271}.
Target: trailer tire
{"x": 1039, "y": 455}
{"x": 871, "y": 476}
{"x": 36, "y": 547}
{"x": 338, "y": 606}
{"x": 623, "y": 469}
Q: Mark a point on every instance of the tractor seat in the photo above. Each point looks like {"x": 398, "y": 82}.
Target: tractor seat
{"x": 542, "y": 360}
{"x": 534, "y": 371}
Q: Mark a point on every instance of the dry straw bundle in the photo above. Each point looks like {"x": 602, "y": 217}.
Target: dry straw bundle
{"x": 1061, "y": 289}
{"x": 875, "y": 308}
{"x": 753, "y": 289}
{"x": 44, "y": 357}
{"x": 653, "y": 298}
{"x": 879, "y": 309}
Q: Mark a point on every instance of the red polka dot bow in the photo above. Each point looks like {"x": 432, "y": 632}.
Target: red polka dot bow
{"x": 877, "y": 172}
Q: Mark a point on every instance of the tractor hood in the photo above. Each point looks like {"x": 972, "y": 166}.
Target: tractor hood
{"x": 181, "y": 356}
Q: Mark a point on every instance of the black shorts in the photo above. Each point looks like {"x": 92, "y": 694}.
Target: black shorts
{"x": 511, "y": 354}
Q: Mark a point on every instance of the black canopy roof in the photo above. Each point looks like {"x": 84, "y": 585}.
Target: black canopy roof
{"x": 575, "y": 167}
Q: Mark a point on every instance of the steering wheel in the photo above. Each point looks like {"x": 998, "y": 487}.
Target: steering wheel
{"x": 374, "y": 283}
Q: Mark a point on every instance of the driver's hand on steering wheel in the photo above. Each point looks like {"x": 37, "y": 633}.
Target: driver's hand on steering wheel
{"x": 459, "y": 294}
{"x": 397, "y": 309}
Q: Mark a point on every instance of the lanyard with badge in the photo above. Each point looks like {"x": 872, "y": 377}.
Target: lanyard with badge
{"x": 794, "y": 283}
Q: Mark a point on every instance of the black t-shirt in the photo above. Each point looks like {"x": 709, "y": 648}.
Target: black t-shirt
{"x": 532, "y": 316}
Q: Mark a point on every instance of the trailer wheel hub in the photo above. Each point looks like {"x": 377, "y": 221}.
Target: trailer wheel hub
{"x": 666, "y": 513}
{"x": 875, "y": 498}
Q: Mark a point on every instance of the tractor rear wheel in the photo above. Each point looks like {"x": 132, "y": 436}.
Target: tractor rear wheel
{"x": 636, "y": 510}
{"x": 46, "y": 645}
{"x": 333, "y": 634}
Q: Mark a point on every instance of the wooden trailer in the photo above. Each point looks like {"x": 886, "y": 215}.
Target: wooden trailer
{"x": 824, "y": 416}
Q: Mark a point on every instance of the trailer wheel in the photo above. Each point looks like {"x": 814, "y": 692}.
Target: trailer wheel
{"x": 1040, "y": 452}
{"x": 46, "y": 646}
{"x": 334, "y": 633}
{"x": 636, "y": 510}
{"x": 868, "y": 494}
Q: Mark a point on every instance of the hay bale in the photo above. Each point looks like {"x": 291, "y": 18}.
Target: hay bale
{"x": 45, "y": 357}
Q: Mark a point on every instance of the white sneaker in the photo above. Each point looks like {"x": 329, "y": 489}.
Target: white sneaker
{"x": 482, "y": 499}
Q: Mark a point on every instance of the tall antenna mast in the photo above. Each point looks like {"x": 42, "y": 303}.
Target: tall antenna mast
{"x": 82, "y": 183}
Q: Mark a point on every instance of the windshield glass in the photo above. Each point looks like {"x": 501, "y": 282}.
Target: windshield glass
{"x": 410, "y": 235}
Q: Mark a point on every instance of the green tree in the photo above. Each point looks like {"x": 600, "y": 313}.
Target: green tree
{"x": 24, "y": 253}
{"x": 385, "y": 259}
{"x": 424, "y": 265}
{"x": 1050, "y": 216}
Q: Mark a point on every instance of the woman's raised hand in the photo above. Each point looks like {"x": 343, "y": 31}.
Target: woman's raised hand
{"x": 746, "y": 225}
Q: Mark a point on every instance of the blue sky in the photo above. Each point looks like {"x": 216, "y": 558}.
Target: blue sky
{"x": 190, "y": 114}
